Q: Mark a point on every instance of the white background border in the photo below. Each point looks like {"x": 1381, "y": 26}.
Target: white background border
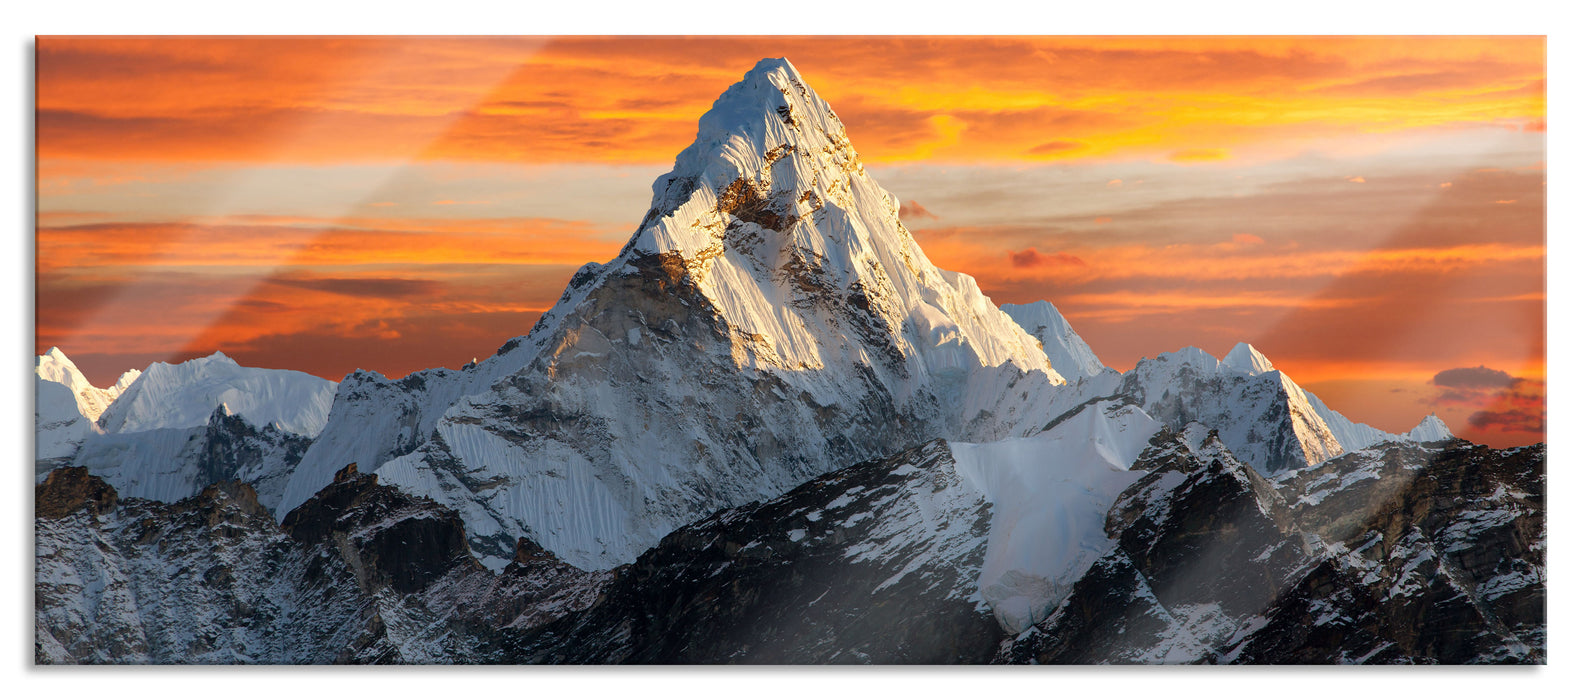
{"x": 781, "y": 17}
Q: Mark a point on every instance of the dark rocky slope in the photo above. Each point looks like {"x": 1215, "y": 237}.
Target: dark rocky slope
{"x": 1396, "y": 554}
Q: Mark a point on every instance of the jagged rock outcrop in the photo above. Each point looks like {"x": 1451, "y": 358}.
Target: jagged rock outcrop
{"x": 1400, "y": 554}
{"x": 209, "y": 579}
{"x": 1261, "y": 415}
{"x": 876, "y": 563}
{"x": 389, "y": 539}
{"x": 169, "y": 464}
{"x": 70, "y": 489}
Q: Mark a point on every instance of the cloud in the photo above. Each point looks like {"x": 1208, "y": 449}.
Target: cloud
{"x": 266, "y": 241}
{"x": 1510, "y": 421}
{"x": 637, "y": 99}
{"x": 1053, "y": 147}
{"x": 379, "y": 287}
{"x": 912, "y": 210}
{"x": 1246, "y": 239}
{"x": 1497, "y": 403}
{"x": 1479, "y": 377}
{"x": 1032, "y": 258}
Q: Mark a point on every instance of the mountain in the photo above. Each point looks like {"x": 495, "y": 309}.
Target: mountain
{"x": 184, "y": 395}
{"x": 1398, "y": 554}
{"x": 146, "y": 436}
{"x": 1267, "y": 420}
{"x": 54, "y": 366}
{"x": 1356, "y": 436}
{"x": 1261, "y": 415}
{"x": 169, "y": 464}
{"x": 66, "y": 407}
{"x": 770, "y": 320}
{"x": 1068, "y": 353}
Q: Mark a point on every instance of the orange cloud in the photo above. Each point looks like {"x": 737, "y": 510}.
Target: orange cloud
{"x": 266, "y": 242}
{"x": 1309, "y": 271}
{"x": 636, "y": 99}
{"x": 1031, "y": 258}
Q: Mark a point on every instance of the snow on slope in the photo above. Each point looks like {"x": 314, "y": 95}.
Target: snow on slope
{"x": 770, "y": 320}
{"x": 1068, "y": 353}
{"x": 1430, "y": 429}
{"x": 185, "y": 395}
{"x": 373, "y": 420}
{"x": 1356, "y": 436}
{"x": 66, "y": 406}
{"x": 770, "y": 198}
{"x": 1050, "y": 494}
{"x": 1261, "y": 415}
{"x": 54, "y": 366}
{"x": 169, "y": 464}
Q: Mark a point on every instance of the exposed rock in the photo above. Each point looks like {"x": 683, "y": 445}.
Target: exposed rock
{"x": 871, "y": 564}
{"x": 70, "y": 489}
{"x": 1399, "y": 554}
{"x": 388, "y": 538}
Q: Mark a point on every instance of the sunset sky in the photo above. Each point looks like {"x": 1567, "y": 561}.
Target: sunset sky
{"x": 1368, "y": 212}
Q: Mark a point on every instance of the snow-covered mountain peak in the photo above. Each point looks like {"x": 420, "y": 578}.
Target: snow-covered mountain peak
{"x": 766, "y": 138}
{"x": 770, "y": 214}
{"x": 1246, "y": 359}
{"x": 184, "y": 395}
{"x": 54, "y": 366}
{"x": 771, "y": 319}
{"x": 1262, "y": 415}
{"x": 1068, "y": 353}
{"x": 1430, "y": 429}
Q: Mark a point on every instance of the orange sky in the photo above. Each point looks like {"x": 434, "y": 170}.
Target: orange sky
{"x": 1369, "y": 212}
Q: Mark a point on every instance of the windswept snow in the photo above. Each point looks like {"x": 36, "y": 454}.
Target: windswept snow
{"x": 1068, "y": 353}
{"x": 770, "y": 320}
{"x": 1357, "y": 436}
{"x": 1050, "y": 494}
{"x": 184, "y": 395}
{"x": 66, "y": 406}
{"x": 1261, "y": 415}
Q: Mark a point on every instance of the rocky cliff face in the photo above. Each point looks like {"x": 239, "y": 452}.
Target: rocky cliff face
{"x": 209, "y": 579}
{"x": 1261, "y": 414}
{"x": 1400, "y": 554}
{"x": 169, "y": 464}
{"x": 876, "y": 563}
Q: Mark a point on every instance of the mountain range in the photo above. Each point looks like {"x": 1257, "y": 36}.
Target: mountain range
{"x": 770, "y": 430}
